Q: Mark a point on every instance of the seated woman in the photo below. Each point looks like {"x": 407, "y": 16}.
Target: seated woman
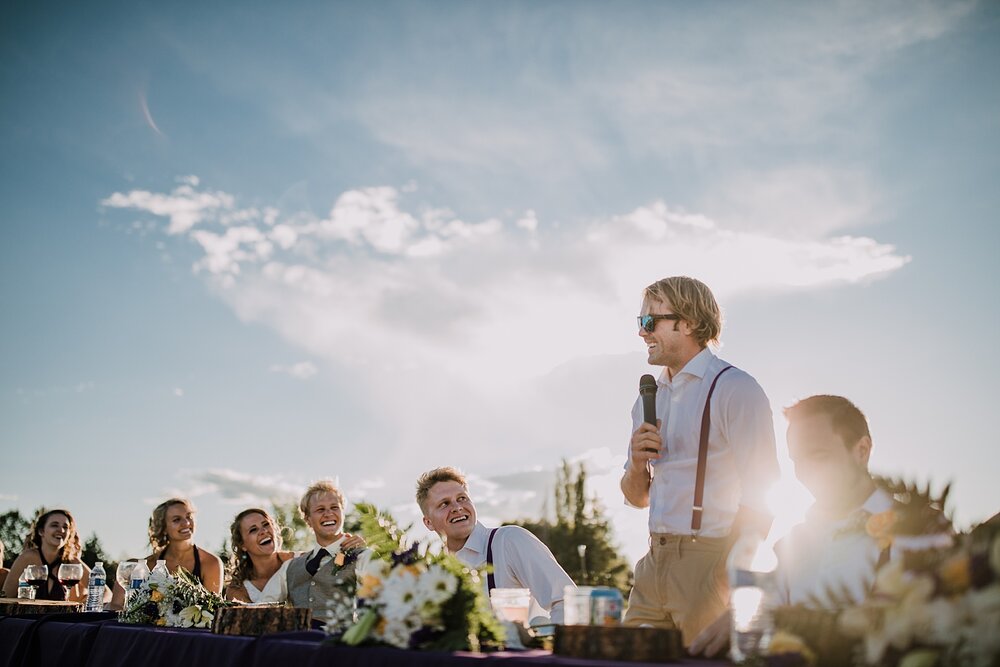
{"x": 258, "y": 563}
{"x": 171, "y": 534}
{"x": 259, "y": 569}
{"x": 52, "y": 540}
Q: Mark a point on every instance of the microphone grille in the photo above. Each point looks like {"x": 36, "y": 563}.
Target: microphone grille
{"x": 647, "y": 382}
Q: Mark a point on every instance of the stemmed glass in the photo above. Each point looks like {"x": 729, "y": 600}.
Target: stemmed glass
{"x": 70, "y": 575}
{"x": 38, "y": 576}
{"x": 124, "y": 575}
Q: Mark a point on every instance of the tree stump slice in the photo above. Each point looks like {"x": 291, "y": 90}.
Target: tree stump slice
{"x": 20, "y": 607}
{"x": 260, "y": 620}
{"x": 615, "y": 642}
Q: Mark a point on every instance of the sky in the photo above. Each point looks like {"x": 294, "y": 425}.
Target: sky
{"x": 248, "y": 246}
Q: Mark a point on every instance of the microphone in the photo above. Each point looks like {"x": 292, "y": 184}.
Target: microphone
{"x": 647, "y": 390}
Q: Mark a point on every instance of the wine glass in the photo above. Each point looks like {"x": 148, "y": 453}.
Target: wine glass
{"x": 70, "y": 575}
{"x": 123, "y": 575}
{"x": 38, "y": 576}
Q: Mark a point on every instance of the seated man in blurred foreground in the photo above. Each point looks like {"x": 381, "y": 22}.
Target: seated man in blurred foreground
{"x": 829, "y": 443}
{"x": 519, "y": 559}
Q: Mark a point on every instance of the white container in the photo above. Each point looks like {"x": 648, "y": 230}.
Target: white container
{"x": 511, "y": 604}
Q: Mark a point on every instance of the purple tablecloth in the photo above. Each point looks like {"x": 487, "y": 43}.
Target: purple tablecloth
{"x": 105, "y": 643}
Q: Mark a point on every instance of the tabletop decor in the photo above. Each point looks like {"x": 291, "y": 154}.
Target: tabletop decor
{"x": 409, "y": 597}
{"x": 177, "y": 600}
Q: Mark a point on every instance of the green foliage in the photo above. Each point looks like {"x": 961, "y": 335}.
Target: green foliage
{"x": 13, "y": 528}
{"x": 380, "y": 530}
{"x": 580, "y": 522}
{"x": 295, "y": 532}
{"x": 918, "y": 510}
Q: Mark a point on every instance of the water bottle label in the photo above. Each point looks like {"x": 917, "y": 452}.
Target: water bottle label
{"x": 136, "y": 584}
{"x": 97, "y": 581}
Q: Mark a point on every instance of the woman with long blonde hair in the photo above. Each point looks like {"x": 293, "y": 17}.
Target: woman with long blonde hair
{"x": 171, "y": 534}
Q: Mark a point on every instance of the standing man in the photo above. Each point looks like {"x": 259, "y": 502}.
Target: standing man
{"x": 519, "y": 559}
{"x": 703, "y": 471}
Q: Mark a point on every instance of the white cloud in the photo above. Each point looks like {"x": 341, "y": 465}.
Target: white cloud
{"x": 178, "y": 392}
{"x": 374, "y": 283}
{"x": 238, "y": 487}
{"x": 303, "y": 370}
{"x": 185, "y": 206}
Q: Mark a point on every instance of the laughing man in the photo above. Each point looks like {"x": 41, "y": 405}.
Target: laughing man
{"x": 519, "y": 559}
{"x": 327, "y": 571}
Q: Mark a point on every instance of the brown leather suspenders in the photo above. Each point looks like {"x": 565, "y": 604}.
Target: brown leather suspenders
{"x": 699, "y": 484}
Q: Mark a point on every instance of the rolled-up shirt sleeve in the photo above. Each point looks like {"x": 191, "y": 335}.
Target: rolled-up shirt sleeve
{"x": 529, "y": 562}
{"x": 748, "y": 427}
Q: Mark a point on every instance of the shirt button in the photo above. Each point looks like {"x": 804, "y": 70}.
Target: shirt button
{"x": 310, "y": 599}
{"x": 312, "y": 583}
{"x": 663, "y": 540}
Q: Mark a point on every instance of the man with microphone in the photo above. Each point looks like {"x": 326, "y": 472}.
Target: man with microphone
{"x": 702, "y": 463}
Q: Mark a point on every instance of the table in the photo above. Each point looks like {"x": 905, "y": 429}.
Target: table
{"x": 98, "y": 640}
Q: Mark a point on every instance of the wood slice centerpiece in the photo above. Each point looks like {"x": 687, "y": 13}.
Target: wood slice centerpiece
{"x": 23, "y": 607}
{"x": 616, "y": 642}
{"x": 255, "y": 620}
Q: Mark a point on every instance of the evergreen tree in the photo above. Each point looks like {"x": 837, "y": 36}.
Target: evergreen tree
{"x": 13, "y": 528}
{"x": 580, "y": 538}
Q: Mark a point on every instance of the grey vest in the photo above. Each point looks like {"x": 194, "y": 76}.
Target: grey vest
{"x": 313, "y": 592}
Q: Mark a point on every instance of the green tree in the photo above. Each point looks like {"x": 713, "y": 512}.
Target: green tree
{"x": 13, "y": 528}
{"x": 580, "y": 538}
{"x": 93, "y": 551}
{"x": 295, "y": 533}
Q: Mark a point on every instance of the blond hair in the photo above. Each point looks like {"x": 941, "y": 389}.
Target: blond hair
{"x": 158, "y": 522}
{"x": 693, "y": 301}
{"x": 432, "y": 477}
{"x": 317, "y": 488}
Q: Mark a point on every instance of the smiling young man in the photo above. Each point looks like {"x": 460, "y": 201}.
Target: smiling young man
{"x": 830, "y": 444}
{"x": 325, "y": 571}
{"x": 714, "y": 424}
{"x": 519, "y": 559}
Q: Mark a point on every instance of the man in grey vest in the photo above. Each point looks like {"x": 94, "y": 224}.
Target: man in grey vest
{"x": 323, "y": 579}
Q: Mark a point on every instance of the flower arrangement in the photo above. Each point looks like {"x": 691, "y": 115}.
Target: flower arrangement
{"x": 939, "y": 605}
{"x": 177, "y": 601}
{"x": 411, "y": 598}
{"x": 936, "y": 601}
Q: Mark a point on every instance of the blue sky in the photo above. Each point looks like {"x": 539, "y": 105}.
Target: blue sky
{"x": 248, "y": 247}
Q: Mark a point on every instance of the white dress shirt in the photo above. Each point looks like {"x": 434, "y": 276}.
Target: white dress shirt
{"x": 821, "y": 555}
{"x": 520, "y": 560}
{"x": 742, "y": 463}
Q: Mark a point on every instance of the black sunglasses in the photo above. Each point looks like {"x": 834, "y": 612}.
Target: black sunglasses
{"x": 648, "y": 322}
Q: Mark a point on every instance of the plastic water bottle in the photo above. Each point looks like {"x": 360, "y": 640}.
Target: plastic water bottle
{"x": 95, "y": 589}
{"x": 25, "y": 591}
{"x": 750, "y": 567}
{"x": 139, "y": 575}
{"x": 160, "y": 573}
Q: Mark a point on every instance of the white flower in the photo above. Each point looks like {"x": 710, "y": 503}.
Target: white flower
{"x": 438, "y": 585}
{"x": 400, "y": 595}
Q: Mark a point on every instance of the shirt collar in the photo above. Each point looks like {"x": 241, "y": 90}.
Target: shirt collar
{"x": 696, "y": 366}
{"x": 331, "y": 548}
{"x": 477, "y": 539}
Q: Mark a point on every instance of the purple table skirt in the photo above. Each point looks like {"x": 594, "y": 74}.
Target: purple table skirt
{"x": 105, "y": 643}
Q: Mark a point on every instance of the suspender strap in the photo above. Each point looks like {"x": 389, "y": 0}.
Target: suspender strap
{"x": 491, "y": 582}
{"x": 699, "y": 484}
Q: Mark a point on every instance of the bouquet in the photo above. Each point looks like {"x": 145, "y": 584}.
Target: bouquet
{"x": 935, "y": 602}
{"x": 177, "y": 601}
{"x": 411, "y": 598}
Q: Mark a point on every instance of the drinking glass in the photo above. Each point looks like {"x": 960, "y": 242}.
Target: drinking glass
{"x": 70, "y": 575}
{"x": 38, "y": 576}
{"x": 123, "y": 575}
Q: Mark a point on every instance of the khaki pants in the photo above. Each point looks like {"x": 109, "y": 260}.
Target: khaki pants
{"x": 680, "y": 583}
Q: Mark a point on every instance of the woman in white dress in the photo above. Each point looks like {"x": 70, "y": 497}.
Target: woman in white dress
{"x": 258, "y": 565}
